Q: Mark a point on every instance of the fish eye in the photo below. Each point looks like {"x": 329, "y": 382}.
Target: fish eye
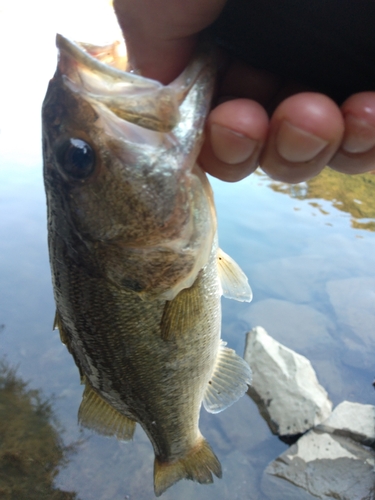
{"x": 77, "y": 159}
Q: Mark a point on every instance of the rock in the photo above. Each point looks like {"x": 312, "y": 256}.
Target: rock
{"x": 284, "y": 386}
{"x": 353, "y": 420}
{"x": 299, "y": 278}
{"x": 297, "y": 325}
{"x": 328, "y": 466}
{"x": 353, "y": 300}
{"x": 276, "y": 488}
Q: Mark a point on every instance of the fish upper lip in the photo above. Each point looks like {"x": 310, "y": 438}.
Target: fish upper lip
{"x": 162, "y": 115}
{"x": 80, "y": 55}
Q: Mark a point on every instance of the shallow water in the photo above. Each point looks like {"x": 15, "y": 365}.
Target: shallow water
{"x": 313, "y": 279}
{"x": 309, "y": 253}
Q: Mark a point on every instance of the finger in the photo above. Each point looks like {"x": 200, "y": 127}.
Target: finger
{"x": 244, "y": 81}
{"x": 149, "y": 51}
{"x": 236, "y": 132}
{"x": 305, "y": 132}
{"x": 357, "y": 152}
{"x": 161, "y": 34}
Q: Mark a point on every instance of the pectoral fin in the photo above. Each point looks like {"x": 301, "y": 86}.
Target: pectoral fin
{"x": 96, "y": 414}
{"x": 182, "y": 313}
{"x": 228, "y": 382}
{"x": 58, "y": 325}
{"x": 233, "y": 280}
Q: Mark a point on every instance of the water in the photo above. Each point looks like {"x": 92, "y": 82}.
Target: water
{"x": 309, "y": 253}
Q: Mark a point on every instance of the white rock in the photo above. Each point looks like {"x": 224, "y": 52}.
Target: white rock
{"x": 284, "y": 386}
{"x": 354, "y": 420}
{"x": 284, "y": 319}
{"x": 318, "y": 447}
{"x": 298, "y": 277}
{"x": 353, "y": 300}
{"x": 326, "y": 466}
{"x": 276, "y": 488}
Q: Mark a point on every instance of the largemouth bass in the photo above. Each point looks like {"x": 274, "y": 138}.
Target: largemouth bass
{"x": 136, "y": 269}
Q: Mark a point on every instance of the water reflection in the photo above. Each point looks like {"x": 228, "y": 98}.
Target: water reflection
{"x": 32, "y": 451}
{"x": 351, "y": 194}
{"x": 289, "y": 256}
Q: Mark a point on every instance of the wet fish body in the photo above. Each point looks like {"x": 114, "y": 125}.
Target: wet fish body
{"x": 136, "y": 269}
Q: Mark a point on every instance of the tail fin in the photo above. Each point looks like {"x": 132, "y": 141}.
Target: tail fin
{"x": 197, "y": 465}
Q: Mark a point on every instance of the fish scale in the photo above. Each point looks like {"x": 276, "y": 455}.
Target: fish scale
{"x": 136, "y": 269}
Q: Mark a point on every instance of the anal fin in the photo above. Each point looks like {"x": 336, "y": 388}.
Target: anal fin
{"x": 198, "y": 465}
{"x": 233, "y": 280}
{"x": 96, "y": 414}
{"x": 229, "y": 380}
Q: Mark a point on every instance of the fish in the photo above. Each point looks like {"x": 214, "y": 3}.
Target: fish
{"x": 136, "y": 268}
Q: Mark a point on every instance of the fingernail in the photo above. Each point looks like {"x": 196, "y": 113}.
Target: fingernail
{"x": 359, "y": 136}
{"x": 297, "y": 145}
{"x": 229, "y": 146}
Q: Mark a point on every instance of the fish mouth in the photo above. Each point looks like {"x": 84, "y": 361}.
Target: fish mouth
{"x": 138, "y": 115}
{"x": 99, "y": 73}
{"x": 146, "y": 137}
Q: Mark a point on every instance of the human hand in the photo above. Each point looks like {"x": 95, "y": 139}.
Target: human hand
{"x": 306, "y": 131}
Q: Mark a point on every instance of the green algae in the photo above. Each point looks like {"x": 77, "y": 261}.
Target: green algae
{"x": 31, "y": 447}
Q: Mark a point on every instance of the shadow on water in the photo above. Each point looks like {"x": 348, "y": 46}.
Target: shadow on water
{"x": 31, "y": 448}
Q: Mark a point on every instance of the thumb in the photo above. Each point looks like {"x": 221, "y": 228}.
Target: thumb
{"x": 161, "y": 34}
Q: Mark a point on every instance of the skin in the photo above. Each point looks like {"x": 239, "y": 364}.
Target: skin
{"x": 291, "y": 133}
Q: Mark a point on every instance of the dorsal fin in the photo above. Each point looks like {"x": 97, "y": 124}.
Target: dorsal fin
{"x": 96, "y": 414}
{"x": 229, "y": 380}
{"x": 233, "y": 280}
